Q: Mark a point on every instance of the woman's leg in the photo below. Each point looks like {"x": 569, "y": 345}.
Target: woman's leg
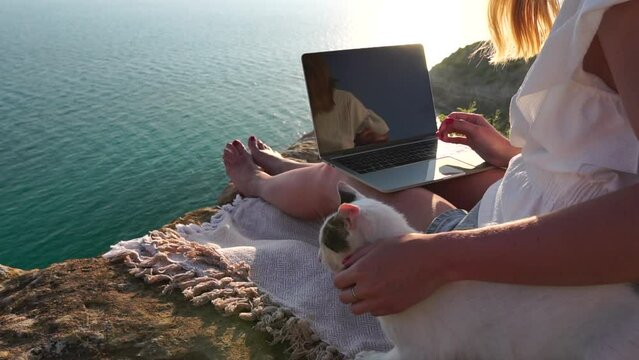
{"x": 463, "y": 192}
{"x": 269, "y": 160}
{"x": 310, "y": 192}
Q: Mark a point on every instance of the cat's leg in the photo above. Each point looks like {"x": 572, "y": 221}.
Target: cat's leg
{"x": 310, "y": 192}
{"x": 271, "y": 161}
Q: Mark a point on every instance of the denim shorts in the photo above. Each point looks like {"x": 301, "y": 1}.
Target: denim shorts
{"x": 455, "y": 219}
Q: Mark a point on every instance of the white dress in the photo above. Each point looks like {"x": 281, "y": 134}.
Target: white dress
{"x": 577, "y": 141}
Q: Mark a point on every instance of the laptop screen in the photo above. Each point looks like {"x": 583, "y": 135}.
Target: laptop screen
{"x": 369, "y": 97}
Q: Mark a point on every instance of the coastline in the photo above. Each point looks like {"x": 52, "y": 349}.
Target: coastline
{"x": 90, "y": 308}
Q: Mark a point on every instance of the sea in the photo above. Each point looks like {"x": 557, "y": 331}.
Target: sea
{"x": 114, "y": 113}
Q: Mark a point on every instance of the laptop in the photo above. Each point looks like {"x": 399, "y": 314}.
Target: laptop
{"x": 374, "y": 118}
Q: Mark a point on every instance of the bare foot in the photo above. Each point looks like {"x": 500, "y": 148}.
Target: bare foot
{"x": 244, "y": 173}
{"x": 270, "y": 160}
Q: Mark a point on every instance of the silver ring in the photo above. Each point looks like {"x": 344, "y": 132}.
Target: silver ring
{"x": 353, "y": 293}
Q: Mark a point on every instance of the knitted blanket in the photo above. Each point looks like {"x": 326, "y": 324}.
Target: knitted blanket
{"x": 254, "y": 261}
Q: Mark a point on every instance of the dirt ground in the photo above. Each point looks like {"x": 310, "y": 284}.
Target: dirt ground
{"x": 88, "y": 308}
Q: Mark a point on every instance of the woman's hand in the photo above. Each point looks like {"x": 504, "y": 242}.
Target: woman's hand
{"x": 480, "y": 136}
{"x": 393, "y": 274}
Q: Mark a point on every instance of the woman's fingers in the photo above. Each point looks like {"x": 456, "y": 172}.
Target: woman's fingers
{"x": 362, "y": 304}
{"x": 359, "y": 304}
{"x": 458, "y": 126}
{"x": 471, "y": 118}
{"x": 352, "y": 258}
{"x": 351, "y": 295}
{"x": 374, "y": 307}
{"x": 362, "y": 307}
{"x": 461, "y": 126}
{"x": 345, "y": 279}
{"x": 457, "y": 140}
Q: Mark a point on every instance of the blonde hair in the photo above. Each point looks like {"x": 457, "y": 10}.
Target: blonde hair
{"x": 519, "y": 28}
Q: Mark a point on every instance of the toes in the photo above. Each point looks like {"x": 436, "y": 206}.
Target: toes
{"x": 257, "y": 144}
{"x": 240, "y": 148}
{"x": 252, "y": 143}
{"x": 229, "y": 149}
{"x": 233, "y": 152}
{"x": 262, "y": 146}
{"x": 229, "y": 155}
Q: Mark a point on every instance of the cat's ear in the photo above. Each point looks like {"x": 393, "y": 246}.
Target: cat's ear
{"x": 349, "y": 213}
{"x": 347, "y": 194}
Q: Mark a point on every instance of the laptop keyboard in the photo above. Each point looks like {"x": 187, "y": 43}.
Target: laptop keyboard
{"x": 391, "y": 157}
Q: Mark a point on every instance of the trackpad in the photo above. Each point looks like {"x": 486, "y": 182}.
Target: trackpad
{"x": 450, "y": 170}
{"x": 423, "y": 172}
{"x": 448, "y": 166}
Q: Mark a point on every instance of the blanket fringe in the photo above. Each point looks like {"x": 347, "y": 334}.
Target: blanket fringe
{"x": 207, "y": 277}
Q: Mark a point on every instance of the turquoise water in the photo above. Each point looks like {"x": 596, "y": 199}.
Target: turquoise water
{"x": 114, "y": 113}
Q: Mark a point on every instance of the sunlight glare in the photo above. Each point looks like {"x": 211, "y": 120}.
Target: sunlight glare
{"x": 441, "y": 26}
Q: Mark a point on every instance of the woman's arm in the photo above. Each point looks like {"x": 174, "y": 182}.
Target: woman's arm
{"x": 596, "y": 242}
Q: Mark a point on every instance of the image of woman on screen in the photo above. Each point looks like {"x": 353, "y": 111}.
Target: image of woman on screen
{"x": 341, "y": 120}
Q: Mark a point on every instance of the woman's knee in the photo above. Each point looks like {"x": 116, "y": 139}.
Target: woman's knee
{"x": 324, "y": 183}
{"x": 330, "y": 176}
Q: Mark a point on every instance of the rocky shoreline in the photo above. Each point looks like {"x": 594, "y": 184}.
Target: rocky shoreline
{"x": 89, "y": 308}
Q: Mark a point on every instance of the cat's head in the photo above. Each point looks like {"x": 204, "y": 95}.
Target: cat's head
{"x": 358, "y": 220}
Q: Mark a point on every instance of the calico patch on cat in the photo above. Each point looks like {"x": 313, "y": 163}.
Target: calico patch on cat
{"x": 334, "y": 235}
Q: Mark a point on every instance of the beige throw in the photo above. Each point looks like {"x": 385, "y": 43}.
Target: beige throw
{"x": 253, "y": 261}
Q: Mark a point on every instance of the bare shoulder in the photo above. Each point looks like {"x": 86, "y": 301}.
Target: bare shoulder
{"x": 619, "y": 30}
{"x": 621, "y": 17}
{"x": 625, "y": 6}
{"x": 618, "y": 34}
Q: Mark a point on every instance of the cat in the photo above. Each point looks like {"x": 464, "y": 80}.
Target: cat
{"x": 487, "y": 321}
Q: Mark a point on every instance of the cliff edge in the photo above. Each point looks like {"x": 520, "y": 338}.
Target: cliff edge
{"x": 89, "y": 308}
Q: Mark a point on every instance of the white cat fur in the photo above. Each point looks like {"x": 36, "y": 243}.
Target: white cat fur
{"x": 489, "y": 321}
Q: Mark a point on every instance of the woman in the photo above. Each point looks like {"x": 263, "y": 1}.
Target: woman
{"x": 565, "y": 212}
